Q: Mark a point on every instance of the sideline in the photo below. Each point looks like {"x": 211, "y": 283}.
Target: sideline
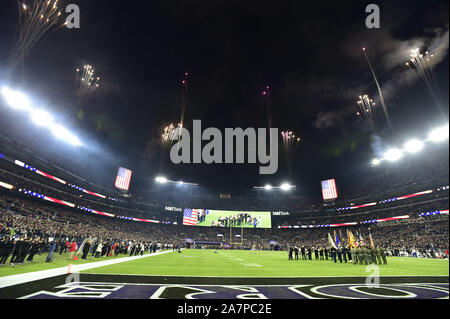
{"x": 13, "y": 280}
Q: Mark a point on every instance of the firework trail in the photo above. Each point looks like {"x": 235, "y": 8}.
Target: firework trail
{"x": 424, "y": 66}
{"x": 185, "y": 85}
{"x": 267, "y": 99}
{"x": 290, "y": 146}
{"x": 37, "y": 18}
{"x": 86, "y": 83}
{"x": 379, "y": 89}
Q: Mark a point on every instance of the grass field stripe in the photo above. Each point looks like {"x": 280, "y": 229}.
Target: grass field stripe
{"x": 13, "y": 280}
{"x": 253, "y": 277}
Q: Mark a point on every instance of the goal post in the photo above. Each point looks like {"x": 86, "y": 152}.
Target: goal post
{"x": 232, "y": 242}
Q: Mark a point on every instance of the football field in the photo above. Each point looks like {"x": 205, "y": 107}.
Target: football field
{"x": 235, "y": 263}
{"x": 226, "y": 274}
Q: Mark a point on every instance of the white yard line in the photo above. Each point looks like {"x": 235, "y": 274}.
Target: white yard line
{"x": 13, "y": 280}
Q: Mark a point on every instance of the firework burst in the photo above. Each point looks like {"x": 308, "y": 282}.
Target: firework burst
{"x": 424, "y": 66}
{"x": 37, "y": 18}
{"x": 86, "y": 83}
{"x": 367, "y": 108}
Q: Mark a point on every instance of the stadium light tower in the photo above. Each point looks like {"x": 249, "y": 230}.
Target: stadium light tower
{"x": 376, "y": 162}
{"x": 393, "y": 155}
{"x": 19, "y": 101}
{"x": 285, "y": 187}
{"x": 413, "y": 146}
{"x": 62, "y": 133}
{"x": 439, "y": 134}
{"x": 16, "y": 99}
{"x": 161, "y": 179}
{"x": 42, "y": 118}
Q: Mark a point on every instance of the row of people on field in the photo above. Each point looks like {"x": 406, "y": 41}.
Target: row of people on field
{"x": 22, "y": 249}
{"x": 361, "y": 254}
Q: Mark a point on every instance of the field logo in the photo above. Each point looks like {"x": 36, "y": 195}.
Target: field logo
{"x": 213, "y": 151}
{"x": 373, "y": 280}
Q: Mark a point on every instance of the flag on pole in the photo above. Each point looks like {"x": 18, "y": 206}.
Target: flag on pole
{"x": 351, "y": 239}
{"x": 80, "y": 250}
{"x": 361, "y": 240}
{"x": 371, "y": 241}
{"x": 343, "y": 238}
{"x": 336, "y": 238}
{"x": 330, "y": 240}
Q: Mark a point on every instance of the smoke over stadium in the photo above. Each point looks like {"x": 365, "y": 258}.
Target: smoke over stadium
{"x": 320, "y": 169}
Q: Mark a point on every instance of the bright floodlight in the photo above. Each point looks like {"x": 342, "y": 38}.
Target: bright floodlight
{"x": 438, "y": 135}
{"x": 63, "y": 134}
{"x": 16, "y": 99}
{"x": 376, "y": 161}
{"x": 268, "y": 187}
{"x": 393, "y": 155}
{"x": 285, "y": 187}
{"x": 42, "y": 118}
{"x": 413, "y": 146}
{"x": 161, "y": 180}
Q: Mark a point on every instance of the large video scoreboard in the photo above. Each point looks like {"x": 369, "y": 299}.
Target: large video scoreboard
{"x": 226, "y": 218}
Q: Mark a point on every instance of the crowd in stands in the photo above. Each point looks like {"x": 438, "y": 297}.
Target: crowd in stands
{"x": 434, "y": 201}
{"x": 413, "y": 208}
{"x": 413, "y": 175}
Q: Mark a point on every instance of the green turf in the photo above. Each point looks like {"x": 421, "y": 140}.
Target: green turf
{"x": 40, "y": 264}
{"x": 264, "y": 264}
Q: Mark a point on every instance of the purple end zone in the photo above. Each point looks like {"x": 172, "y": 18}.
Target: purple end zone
{"x": 91, "y": 290}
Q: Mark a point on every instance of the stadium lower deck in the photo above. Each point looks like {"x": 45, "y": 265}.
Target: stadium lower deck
{"x": 226, "y": 276}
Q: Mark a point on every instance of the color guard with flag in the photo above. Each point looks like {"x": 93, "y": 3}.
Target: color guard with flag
{"x": 330, "y": 241}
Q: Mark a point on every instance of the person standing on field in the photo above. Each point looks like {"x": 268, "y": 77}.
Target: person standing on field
{"x": 86, "y": 248}
{"x": 98, "y": 251}
{"x": 72, "y": 249}
{"x": 354, "y": 258}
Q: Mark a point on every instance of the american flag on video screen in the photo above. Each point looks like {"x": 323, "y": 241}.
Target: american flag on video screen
{"x": 123, "y": 178}
{"x": 329, "y": 190}
{"x": 190, "y": 217}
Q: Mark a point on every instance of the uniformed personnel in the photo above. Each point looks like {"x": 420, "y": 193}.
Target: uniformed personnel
{"x": 383, "y": 255}
{"x": 354, "y": 258}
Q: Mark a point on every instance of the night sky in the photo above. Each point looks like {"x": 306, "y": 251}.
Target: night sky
{"x": 308, "y": 52}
